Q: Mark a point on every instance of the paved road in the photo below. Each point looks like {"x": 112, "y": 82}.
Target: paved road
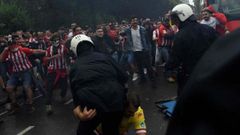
{"x": 64, "y": 123}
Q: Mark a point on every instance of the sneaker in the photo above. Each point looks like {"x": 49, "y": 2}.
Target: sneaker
{"x": 49, "y": 109}
{"x": 162, "y": 65}
{"x": 171, "y": 80}
{"x": 135, "y": 77}
{"x": 8, "y": 106}
{"x": 145, "y": 71}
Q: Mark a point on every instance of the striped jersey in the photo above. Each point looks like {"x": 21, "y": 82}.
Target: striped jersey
{"x": 19, "y": 59}
{"x": 165, "y": 36}
{"x": 58, "y": 63}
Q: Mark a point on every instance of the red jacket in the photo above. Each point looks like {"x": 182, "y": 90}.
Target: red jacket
{"x": 222, "y": 19}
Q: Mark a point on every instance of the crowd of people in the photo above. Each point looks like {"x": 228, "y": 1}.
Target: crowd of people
{"x": 98, "y": 65}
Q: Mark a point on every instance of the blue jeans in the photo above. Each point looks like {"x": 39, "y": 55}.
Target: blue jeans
{"x": 164, "y": 56}
{"x": 24, "y": 76}
{"x": 164, "y": 53}
{"x": 115, "y": 56}
{"x": 126, "y": 58}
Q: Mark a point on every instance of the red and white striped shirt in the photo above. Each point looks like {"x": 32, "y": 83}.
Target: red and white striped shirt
{"x": 58, "y": 63}
{"x": 19, "y": 59}
{"x": 165, "y": 36}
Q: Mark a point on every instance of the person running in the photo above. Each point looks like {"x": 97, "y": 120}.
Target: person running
{"x": 21, "y": 67}
{"x": 97, "y": 84}
{"x": 57, "y": 70}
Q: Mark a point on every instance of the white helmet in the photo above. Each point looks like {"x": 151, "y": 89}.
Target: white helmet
{"x": 78, "y": 39}
{"x": 183, "y": 11}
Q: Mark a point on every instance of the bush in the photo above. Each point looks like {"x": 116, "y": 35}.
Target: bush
{"x": 13, "y": 18}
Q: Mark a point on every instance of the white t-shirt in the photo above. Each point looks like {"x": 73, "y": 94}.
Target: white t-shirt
{"x": 136, "y": 38}
{"x": 212, "y": 22}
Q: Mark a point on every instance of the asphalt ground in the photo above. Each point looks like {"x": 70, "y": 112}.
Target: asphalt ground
{"x": 62, "y": 122}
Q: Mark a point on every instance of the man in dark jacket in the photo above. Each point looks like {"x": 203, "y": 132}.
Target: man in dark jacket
{"x": 97, "y": 84}
{"x": 209, "y": 104}
{"x": 103, "y": 43}
{"x": 138, "y": 44}
{"x": 190, "y": 43}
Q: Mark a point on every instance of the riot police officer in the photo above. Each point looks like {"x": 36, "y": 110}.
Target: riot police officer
{"x": 190, "y": 43}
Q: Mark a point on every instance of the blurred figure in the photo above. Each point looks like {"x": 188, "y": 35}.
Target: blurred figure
{"x": 165, "y": 43}
{"x": 56, "y": 70}
{"x": 98, "y": 88}
{"x": 70, "y": 31}
{"x": 148, "y": 25}
{"x": 103, "y": 43}
{"x": 209, "y": 104}
{"x": 221, "y": 18}
{"x": 190, "y": 43}
{"x": 3, "y": 65}
{"x": 21, "y": 69}
{"x": 136, "y": 38}
{"x": 208, "y": 19}
{"x": 133, "y": 117}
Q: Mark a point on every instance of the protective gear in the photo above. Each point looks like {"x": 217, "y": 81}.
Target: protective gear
{"x": 78, "y": 39}
{"x": 183, "y": 11}
{"x": 55, "y": 43}
{"x": 55, "y": 38}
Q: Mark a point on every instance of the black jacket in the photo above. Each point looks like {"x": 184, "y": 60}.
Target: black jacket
{"x": 209, "y": 104}
{"x": 98, "y": 82}
{"x": 190, "y": 43}
{"x": 104, "y": 45}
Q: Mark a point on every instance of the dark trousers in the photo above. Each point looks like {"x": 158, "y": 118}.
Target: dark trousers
{"x": 153, "y": 54}
{"x": 61, "y": 82}
{"x": 182, "y": 79}
{"x": 143, "y": 60}
{"x": 109, "y": 122}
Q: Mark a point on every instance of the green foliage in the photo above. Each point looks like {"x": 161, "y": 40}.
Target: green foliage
{"x": 51, "y": 14}
{"x": 174, "y": 2}
{"x": 13, "y": 18}
{"x": 198, "y": 6}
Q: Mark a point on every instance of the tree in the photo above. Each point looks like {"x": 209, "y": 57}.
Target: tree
{"x": 13, "y": 18}
{"x": 51, "y": 14}
{"x": 198, "y": 6}
{"x": 174, "y": 2}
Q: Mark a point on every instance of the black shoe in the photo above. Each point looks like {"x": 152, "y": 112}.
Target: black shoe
{"x": 14, "y": 108}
